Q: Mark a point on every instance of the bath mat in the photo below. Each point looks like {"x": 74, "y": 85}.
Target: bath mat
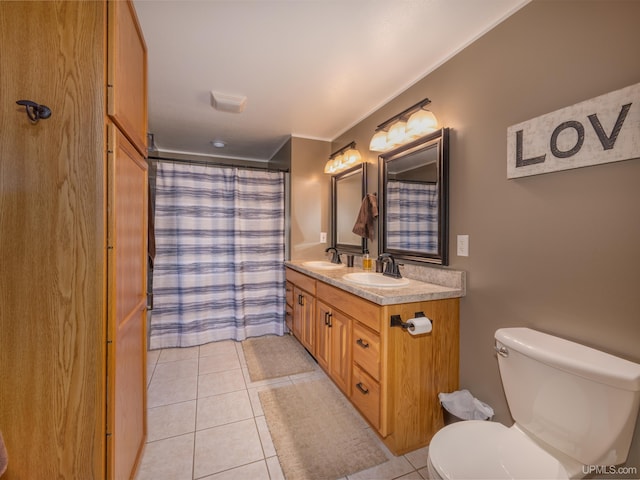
{"x": 317, "y": 433}
{"x": 272, "y": 356}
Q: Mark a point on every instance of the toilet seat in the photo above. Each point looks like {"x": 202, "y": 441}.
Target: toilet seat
{"x": 478, "y": 449}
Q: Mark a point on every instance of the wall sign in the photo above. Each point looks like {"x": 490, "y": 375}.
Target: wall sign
{"x": 601, "y": 130}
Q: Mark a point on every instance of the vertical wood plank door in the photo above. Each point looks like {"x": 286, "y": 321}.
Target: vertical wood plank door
{"x": 52, "y": 240}
{"x": 127, "y": 73}
{"x": 126, "y": 268}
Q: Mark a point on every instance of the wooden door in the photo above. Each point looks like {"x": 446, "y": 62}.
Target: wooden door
{"x": 127, "y": 73}
{"x": 323, "y": 335}
{"x": 340, "y": 350}
{"x": 52, "y": 240}
{"x": 303, "y": 318}
{"x": 127, "y": 261}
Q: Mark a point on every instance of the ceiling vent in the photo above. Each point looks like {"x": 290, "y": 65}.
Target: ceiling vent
{"x": 228, "y": 103}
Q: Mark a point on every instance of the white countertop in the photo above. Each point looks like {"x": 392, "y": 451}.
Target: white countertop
{"x": 450, "y": 284}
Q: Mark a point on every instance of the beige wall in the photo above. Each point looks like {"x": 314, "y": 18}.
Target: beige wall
{"x": 558, "y": 252}
{"x": 310, "y": 198}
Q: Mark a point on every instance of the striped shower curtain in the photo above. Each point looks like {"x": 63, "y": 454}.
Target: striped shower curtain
{"x": 412, "y": 216}
{"x": 218, "y": 271}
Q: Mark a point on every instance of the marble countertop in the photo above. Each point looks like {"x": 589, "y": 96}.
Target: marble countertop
{"x": 425, "y": 284}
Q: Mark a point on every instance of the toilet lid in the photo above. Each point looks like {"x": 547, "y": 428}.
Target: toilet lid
{"x": 478, "y": 449}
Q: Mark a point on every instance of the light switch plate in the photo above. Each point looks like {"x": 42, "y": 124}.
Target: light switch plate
{"x": 323, "y": 237}
{"x": 463, "y": 245}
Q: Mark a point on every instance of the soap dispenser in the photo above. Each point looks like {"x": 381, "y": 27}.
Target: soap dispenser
{"x": 367, "y": 263}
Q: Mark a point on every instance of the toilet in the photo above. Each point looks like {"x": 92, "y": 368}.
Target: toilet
{"x": 574, "y": 408}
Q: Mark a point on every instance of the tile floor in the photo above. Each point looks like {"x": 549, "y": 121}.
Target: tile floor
{"x": 205, "y": 421}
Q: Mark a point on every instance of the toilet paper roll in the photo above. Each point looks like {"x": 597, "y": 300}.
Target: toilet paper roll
{"x": 418, "y": 326}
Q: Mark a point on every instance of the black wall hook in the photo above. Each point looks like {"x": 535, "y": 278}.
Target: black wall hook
{"x": 35, "y": 111}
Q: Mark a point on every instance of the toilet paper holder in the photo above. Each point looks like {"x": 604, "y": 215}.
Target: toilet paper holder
{"x": 396, "y": 320}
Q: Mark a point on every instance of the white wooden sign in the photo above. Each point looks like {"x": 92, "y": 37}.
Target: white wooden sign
{"x": 601, "y": 130}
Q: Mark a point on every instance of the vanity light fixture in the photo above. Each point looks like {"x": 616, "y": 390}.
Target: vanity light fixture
{"x": 343, "y": 159}
{"x": 414, "y": 122}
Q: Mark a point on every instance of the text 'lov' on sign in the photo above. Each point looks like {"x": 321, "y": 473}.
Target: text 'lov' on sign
{"x": 601, "y": 130}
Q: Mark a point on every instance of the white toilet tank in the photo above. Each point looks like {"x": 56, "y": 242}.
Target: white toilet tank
{"x": 576, "y": 399}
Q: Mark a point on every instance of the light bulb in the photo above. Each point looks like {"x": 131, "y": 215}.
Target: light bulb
{"x": 397, "y": 133}
{"x": 421, "y": 123}
{"x": 379, "y": 142}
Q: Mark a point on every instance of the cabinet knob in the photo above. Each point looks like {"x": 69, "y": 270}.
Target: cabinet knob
{"x": 362, "y": 343}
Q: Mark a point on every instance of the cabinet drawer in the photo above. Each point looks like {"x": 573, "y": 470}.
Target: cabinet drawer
{"x": 301, "y": 280}
{"x": 362, "y": 310}
{"x": 365, "y": 395}
{"x": 366, "y": 349}
{"x": 289, "y": 293}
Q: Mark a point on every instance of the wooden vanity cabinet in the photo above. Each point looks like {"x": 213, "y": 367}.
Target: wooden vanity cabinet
{"x": 333, "y": 349}
{"x": 393, "y": 378}
{"x": 304, "y": 307}
{"x": 288, "y": 312}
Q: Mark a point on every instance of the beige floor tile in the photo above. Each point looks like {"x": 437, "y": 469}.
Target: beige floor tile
{"x": 173, "y": 354}
{"x": 275, "y": 470}
{"x": 224, "y": 347}
{"x": 220, "y": 382}
{"x": 218, "y": 363}
{"x": 253, "y": 471}
{"x": 177, "y": 369}
{"x": 222, "y": 409}
{"x": 424, "y": 473}
{"x": 171, "y": 420}
{"x": 411, "y": 476}
{"x": 228, "y": 446}
{"x": 152, "y": 357}
{"x": 169, "y": 459}
{"x": 172, "y": 391}
{"x": 265, "y": 437}
{"x": 418, "y": 458}
{"x": 240, "y": 352}
{"x": 394, "y": 468}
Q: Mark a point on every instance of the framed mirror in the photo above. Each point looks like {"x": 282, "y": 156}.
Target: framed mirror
{"x": 414, "y": 181}
{"x": 348, "y": 188}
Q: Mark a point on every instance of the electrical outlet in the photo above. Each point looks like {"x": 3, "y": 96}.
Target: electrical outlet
{"x": 323, "y": 237}
{"x": 463, "y": 245}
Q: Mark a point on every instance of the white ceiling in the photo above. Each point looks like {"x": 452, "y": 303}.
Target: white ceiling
{"x": 309, "y": 68}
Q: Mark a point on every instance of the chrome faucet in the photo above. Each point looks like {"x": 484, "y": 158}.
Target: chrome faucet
{"x": 335, "y": 256}
{"x": 391, "y": 268}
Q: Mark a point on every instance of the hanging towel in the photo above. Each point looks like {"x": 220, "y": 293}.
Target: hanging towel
{"x": 4, "y": 459}
{"x": 368, "y": 212}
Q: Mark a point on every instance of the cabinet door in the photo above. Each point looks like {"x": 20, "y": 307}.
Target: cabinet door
{"x": 303, "y": 318}
{"x": 323, "y": 335}
{"x": 126, "y": 297}
{"x": 127, "y": 73}
{"x": 340, "y": 350}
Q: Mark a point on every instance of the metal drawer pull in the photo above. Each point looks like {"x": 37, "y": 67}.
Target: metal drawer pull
{"x": 361, "y": 388}
{"x": 362, "y": 343}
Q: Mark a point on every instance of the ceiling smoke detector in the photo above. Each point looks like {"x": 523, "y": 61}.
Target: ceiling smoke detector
{"x": 228, "y": 103}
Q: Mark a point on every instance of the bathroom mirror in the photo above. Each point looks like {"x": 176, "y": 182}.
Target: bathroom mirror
{"x": 348, "y": 188}
{"x": 414, "y": 187}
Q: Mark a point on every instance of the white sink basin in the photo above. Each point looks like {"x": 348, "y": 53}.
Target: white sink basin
{"x": 366, "y": 279}
{"x": 323, "y": 265}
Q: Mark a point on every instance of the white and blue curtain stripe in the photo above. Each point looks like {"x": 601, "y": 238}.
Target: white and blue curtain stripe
{"x": 412, "y": 216}
{"x": 218, "y": 272}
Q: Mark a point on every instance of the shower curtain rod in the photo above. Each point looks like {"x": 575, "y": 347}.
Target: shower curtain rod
{"x": 215, "y": 164}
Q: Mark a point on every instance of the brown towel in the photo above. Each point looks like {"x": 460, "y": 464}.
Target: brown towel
{"x": 4, "y": 459}
{"x": 368, "y": 212}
